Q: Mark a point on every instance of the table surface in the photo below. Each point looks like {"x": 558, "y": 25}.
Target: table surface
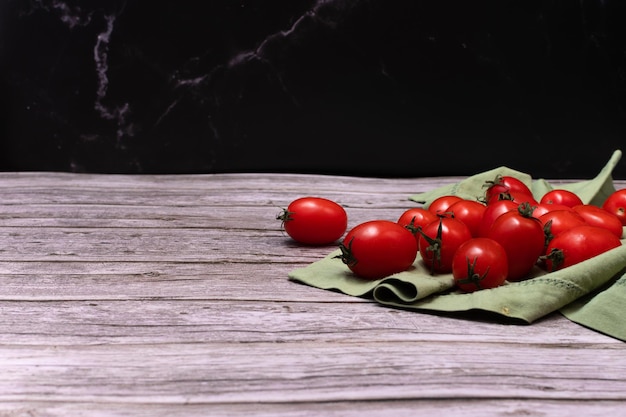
{"x": 168, "y": 295}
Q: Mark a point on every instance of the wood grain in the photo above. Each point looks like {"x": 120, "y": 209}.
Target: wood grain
{"x": 168, "y": 295}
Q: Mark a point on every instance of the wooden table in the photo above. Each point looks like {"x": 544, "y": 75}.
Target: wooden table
{"x": 168, "y": 296}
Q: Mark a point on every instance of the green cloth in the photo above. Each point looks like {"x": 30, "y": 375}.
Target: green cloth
{"x": 591, "y": 293}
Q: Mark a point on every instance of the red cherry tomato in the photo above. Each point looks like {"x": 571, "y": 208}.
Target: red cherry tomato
{"x": 492, "y": 212}
{"x": 616, "y": 204}
{"x": 597, "y": 216}
{"x": 556, "y": 222}
{"x": 543, "y": 208}
{"x": 478, "y": 264}
{"x": 314, "y": 220}
{"x": 415, "y": 218}
{"x": 517, "y": 197}
{"x": 522, "y": 237}
{"x": 578, "y": 244}
{"x": 441, "y": 204}
{"x": 378, "y": 248}
{"x": 439, "y": 240}
{"x": 469, "y": 212}
{"x": 504, "y": 183}
{"x": 560, "y": 196}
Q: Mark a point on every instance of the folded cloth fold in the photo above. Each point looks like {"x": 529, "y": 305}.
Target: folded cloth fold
{"x": 591, "y": 293}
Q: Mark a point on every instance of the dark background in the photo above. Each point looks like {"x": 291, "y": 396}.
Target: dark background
{"x": 379, "y": 87}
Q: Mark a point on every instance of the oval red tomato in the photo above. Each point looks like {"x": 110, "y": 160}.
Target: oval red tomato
{"x": 492, "y": 212}
{"x": 543, "y": 208}
{"x": 438, "y": 242}
{"x": 616, "y": 204}
{"x": 314, "y": 220}
{"x": 505, "y": 183}
{"x": 516, "y": 196}
{"x": 597, "y": 216}
{"x": 378, "y": 248}
{"x": 469, "y": 212}
{"x": 556, "y": 222}
{"x": 578, "y": 244}
{"x": 479, "y": 263}
{"x": 561, "y": 196}
{"x": 415, "y": 218}
{"x": 522, "y": 237}
{"x": 440, "y": 204}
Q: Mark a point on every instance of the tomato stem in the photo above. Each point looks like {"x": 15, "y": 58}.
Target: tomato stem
{"x": 473, "y": 277}
{"x": 434, "y": 245}
{"x": 347, "y": 257}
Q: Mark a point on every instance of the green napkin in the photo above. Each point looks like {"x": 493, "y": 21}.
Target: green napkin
{"x": 591, "y": 293}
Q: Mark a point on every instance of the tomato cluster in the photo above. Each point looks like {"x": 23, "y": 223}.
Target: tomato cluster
{"x": 500, "y": 236}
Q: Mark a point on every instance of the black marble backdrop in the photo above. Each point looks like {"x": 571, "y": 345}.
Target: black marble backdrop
{"x": 365, "y": 87}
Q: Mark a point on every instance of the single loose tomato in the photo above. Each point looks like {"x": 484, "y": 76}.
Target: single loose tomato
{"x": 441, "y": 204}
{"x": 478, "y": 264}
{"x": 415, "y": 218}
{"x": 560, "y": 196}
{"x": 578, "y": 244}
{"x": 616, "y": 204}
{"x": 522, "y": 237}
{"x": 378, "y": 248}
{"x": 439, "y": 240}
{"x": 597, "y": 216}
{"x": 469, "y": 212}
{"x": 556, "y": 222}
{"x": 314, "y": 220}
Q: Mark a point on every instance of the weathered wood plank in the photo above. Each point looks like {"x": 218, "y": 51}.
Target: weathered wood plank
{"x": 218, "y": 318}
{"x": 449, "y": 407}
{"x": 212, "y": 372}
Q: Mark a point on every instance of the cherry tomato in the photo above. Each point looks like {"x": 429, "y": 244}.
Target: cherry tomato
{"x": 578, "y": 244}
{"x": 505, "y": 183}
{"x": 478, "y": 264}
{"x": 543, "y": 208}
{"x": 378, "y": 248}
{"x": 616, "y": 204}
{"x": 469, "y": 212}
{"x": 556, "y": 222}
{"x": 517, "y": 196}
{"x": 314, "y": 220}
{"x": 439, "y": 240}
{"x": 441, "y": 204}
{"x": 597, "y": 216}
{"x": 492, "y": 212}
{"x": 415, "y": 218}
{"x": 522, "y": 237}
{"x": 560, "y": 196}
